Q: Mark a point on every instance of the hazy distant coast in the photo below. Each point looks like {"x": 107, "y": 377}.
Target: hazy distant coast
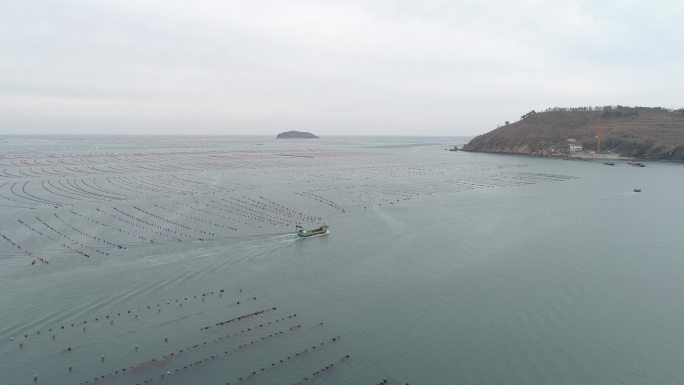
{"x": 614, "y": 131}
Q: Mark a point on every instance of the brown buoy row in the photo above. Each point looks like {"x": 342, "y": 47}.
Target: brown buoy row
{"x": 321, "y": 199}
{"x": 275, "y": 365}
{"x": 385, "y": 381}
{"x": 89, "y": 190}
{"x": 65, "y": 167}
{"x": 164, "y": 231}
{"x": 17, "y": 206}
{"x": 164, "y": 359}
{"x": 70, "y": 239}
{"x": 196, "y": 219}
{"x": 265, "y": 211}
{"x": 88, "y": 235}
{"x": 33, "y": 229}
{"x": 127, "y": 222}
{"x": 62, "y": 191}
{"x": 381, "y": 194}
{"x": 120, "y": 230}
{"x": 203, "y": 211}
{"x": 163, "y": 219}
{"x": 253, "y": 373}
{"x": 240, "y": 318}
{"x": 134, "y": 312}
{"x": 321, "y": 372}
{"x": 22, "y": 250}
{"x": 87, "y": 165}
{"x": 155, "y": 186}
{"x": 291, "y": 214}
{"x": 268, "y": 323}
{"x": 246, "y": 213}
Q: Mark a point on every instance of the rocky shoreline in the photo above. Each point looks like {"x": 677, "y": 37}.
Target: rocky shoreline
{"x": 590, "y": 132}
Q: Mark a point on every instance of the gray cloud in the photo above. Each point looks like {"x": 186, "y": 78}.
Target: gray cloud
{"x": 333, "y": 67}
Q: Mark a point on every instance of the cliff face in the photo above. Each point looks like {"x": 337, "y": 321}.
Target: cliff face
{"x": 640, "y": 132}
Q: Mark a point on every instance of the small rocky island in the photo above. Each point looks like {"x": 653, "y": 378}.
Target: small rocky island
{"x": 588, "y": 132}
{"x": 296, "y": 135}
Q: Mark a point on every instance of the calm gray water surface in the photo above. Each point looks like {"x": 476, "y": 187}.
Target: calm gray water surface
{"x": 440, "y": 267}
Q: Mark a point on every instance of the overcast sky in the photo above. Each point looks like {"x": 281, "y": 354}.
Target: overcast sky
{"x": 367, "y": 67}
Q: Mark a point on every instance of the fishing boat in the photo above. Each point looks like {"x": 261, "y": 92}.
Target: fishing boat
{"x": 637, "y": 189}
{"x": 310, "y": 233}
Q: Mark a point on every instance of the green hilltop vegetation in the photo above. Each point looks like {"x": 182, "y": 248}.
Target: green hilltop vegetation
{"x": 637, "y": 132}
{"x": 296, "y": 135}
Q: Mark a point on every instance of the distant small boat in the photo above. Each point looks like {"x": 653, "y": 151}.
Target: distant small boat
{"x": 310, "y": 233}
{"x": 609, "y": 163}
{"x": 636, "y": 164}
{"x": 637, "y": 189}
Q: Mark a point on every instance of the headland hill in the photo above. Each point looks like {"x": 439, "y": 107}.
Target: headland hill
{"x": 649, "y": 133}
{"x": 296, "y": 135}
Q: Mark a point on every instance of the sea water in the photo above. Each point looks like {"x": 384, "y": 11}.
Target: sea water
{"x": 176, "y": 261}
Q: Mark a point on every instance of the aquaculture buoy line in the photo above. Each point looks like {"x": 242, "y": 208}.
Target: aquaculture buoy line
{"x": 94, "y": 185}
{"x": 70, "y": 234}
{"x": 161, "y": 218}
{"x": 292, "y": 214}
{"x": 385, "y": 381}
{"x": 69, "y": 248}
{"x": 262, "y": 330}
{"x": 205, "y": 212}
{"x": 91, "y": 220}
{"x": 160, "y": 228}
{"x": 73, "y": 184}
{"x": 72, "y": 240}
{"x": 165, "y": 359}
{"x": 133, "y": 313}
{"x": 59, "y": 190}
{"x": 29, "y": 205}
{"x": 63, "y": 190}
{"x": 118, "y": 218}
{"x": 377, "y": 194}
{"x": 274, "y": 365}
{"x": 269, "y": 210}
{"x": 240, "y": 318}
{"x": 196, "y": 219}
{"x": 75, "y": 165}
{"x": 321, "y": 199}
{"x": 88, "y": 235}
{"x": 321, "y": 372}
{"x": 170, "y": 222}
{"x": 22, "y": 250}
{"x": 17, "y": 206}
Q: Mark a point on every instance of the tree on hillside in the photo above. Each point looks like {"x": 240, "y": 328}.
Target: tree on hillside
{"x": 527, "y": 115}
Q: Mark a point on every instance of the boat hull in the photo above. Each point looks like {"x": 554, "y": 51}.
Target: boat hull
{"x": 312, "y": 233}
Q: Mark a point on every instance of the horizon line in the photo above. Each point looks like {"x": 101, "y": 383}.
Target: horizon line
{"x": 240, "y": 135}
